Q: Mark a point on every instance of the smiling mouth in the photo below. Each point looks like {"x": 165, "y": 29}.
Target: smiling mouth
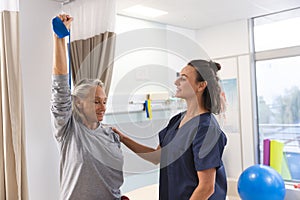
{"x": 100, "y": 114}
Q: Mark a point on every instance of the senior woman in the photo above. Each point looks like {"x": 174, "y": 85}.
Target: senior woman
{"x": 91, "y": 160}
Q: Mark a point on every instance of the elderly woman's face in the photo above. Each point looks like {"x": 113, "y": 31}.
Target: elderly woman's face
{"x": 94, "y": 106}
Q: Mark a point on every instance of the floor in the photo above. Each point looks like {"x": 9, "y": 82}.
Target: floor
{"x": 151, "y": 193}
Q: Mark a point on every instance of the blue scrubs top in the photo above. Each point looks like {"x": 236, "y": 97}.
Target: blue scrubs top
{"x": 197, "y": 145}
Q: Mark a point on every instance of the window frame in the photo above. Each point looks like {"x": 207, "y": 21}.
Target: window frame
{"x": 263, "y": 56}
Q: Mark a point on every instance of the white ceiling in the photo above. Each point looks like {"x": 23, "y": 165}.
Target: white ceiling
{"x": 197, "y": 14}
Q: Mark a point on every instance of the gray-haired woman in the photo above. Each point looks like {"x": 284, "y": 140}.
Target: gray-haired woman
{"x": 91, "y": 160}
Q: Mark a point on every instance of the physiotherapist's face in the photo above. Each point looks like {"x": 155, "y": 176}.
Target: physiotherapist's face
{"x": 186, "y": 83}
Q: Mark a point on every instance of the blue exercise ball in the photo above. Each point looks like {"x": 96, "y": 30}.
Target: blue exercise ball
{"x": 261, "y": 182}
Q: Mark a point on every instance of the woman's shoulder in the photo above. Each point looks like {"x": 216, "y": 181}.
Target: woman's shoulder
{"x": 176, "y": 118}
{"x": 208, "y": 119}
{"x": 209, "y": 123}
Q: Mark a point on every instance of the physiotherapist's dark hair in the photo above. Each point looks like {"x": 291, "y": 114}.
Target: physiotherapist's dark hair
{"x": 207, "y": 71}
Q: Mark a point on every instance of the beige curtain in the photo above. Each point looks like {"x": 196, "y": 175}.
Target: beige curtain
{"x": 93, "y": 58}
{"x": 13, "y": 178}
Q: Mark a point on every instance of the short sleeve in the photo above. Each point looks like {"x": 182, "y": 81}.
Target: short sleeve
{"x": 208, "y": 147}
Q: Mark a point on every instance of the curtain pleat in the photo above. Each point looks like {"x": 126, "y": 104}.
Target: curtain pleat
{"x": 13, "y": 185}
{"x": 93, "y": 58}
{"x": 91, "y": 17}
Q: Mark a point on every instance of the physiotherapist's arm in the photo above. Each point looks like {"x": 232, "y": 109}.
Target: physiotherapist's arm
{"x": 150, "y": 154}
{"x": 206, "y": 184}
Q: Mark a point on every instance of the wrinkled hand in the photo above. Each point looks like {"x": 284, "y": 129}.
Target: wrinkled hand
{"x": 66, "y": 19}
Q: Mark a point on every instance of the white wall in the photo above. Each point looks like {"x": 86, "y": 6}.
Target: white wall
{"x": 141, "y": 47}
{"x": 226, "y": 40}
{"x": 36, "y": 64}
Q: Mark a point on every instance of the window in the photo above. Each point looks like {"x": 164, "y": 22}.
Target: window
{"x": 277, "y": 31}
{"x": 278, "y": 88}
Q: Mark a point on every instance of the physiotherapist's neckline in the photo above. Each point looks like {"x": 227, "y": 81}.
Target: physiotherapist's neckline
{"x": 199, "y": 115}
{"x": 190, "y": 120}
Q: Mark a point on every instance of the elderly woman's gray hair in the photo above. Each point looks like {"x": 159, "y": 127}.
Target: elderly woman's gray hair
{"x": 81, "y": 90}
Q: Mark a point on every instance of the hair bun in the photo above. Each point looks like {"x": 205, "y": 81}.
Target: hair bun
{"x": 215, "y": 66}
{"x": 218, "y": 66}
